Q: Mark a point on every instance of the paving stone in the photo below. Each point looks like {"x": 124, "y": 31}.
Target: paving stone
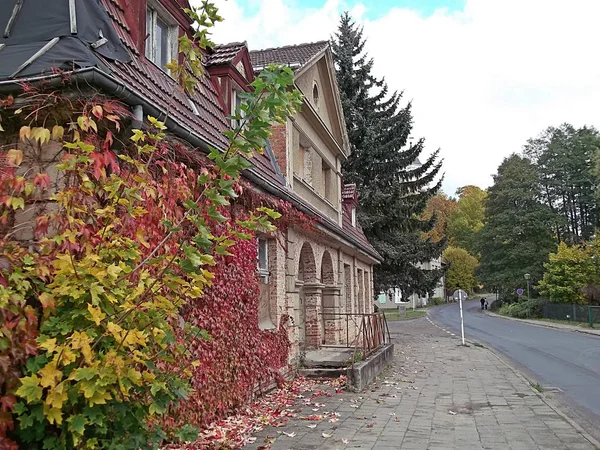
{"x": 435, "y": 395}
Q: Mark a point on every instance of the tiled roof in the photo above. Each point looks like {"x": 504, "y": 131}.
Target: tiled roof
{"x": 349, "y": 192}
{"x": 223, "y": 53}
{"x": 294, "y": 56}
{"x": 201, "y": 112}
{"x": 150, "y": 81}
{"x": 355, "y": 231}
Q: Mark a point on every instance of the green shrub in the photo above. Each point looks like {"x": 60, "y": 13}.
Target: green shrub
{"x": 523, "y": 310}
{"x": 437, "y": 301}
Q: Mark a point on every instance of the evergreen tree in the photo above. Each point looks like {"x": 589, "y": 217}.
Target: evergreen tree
{"x": 394, "y": 187}
{"x": 517, "y": 234}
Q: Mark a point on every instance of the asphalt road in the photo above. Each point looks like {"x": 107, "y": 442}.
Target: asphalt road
{"x": 564, "y": 359}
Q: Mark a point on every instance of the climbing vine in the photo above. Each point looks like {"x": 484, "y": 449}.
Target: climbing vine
{"x": 125, "y": 267}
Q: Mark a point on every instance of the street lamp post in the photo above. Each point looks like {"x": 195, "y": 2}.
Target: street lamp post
{"x": 528, "y": 277}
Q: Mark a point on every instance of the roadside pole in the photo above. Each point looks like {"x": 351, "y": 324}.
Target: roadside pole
{"x": 462, "y": 322}
{"x": 459, "y": 294}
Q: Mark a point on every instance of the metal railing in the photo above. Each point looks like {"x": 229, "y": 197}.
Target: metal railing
{"x": 364, "y": 331}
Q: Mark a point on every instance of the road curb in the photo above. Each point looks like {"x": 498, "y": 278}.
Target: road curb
{"x": 527, "y": 381}
{"x": 543, "y": 324}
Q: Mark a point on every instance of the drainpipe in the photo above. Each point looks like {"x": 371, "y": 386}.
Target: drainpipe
{"x": 138, "y": 113}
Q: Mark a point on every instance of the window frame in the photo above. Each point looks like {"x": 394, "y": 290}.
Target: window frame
{"x": 262, "y": 264}
{"x": 154, "y": 12}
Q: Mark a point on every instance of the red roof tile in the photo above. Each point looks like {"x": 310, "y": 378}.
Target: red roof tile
{"x": 157, "y": 86}
{"x": 223, "y": 53}
{"x": 294, "y": 56}
{"x": 349, "y": 192}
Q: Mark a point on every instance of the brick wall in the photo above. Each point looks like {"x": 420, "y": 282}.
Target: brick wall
{"x": 279, "y": 146}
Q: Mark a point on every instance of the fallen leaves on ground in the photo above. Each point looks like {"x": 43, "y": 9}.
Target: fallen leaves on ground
{"x": 273, "y": 409}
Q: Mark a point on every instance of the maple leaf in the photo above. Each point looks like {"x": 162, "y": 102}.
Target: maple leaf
{"x": 50, "y": 375}
{"x": 30, "y": 389}
{"x": 96, "y": 314}
{"x": 54, "y": 415}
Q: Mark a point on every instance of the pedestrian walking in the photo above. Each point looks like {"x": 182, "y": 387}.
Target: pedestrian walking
{"x": 486, "y": 304}
{"x": 482, "y": 303}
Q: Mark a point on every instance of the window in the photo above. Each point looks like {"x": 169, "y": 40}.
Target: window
{"x": 236, "y": 103}
{"x": 328, "y": 183}
{"x": 300, "y": 161}
{"x": 161, "y": 38}
{"x": 263, "y": 259}
{"x": 316, "y": 94}
{"x": 353, "y": 216}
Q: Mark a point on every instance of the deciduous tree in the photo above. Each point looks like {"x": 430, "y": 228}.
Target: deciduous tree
{"x": 461, "y": 269}
{"x": 517, "y": 235}
{"x": 466, "y": 220}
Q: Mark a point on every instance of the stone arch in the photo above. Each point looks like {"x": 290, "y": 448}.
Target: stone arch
{"x": 309, "y": 298}
{"x": 327, "y": 272}
{"x": 307, "y": 268}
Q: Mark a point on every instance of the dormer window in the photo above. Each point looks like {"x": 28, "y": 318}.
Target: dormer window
{"x": 161, "y": 36}
{"x": 236, "y": 103}
{"x": 353, "y": 216}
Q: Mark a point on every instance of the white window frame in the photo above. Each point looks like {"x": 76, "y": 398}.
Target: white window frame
{"x": 263, "y": 266}
{"x": 353, "y": 216}
{"x": 155, "y": 11}
{"x": 234, "y": 105}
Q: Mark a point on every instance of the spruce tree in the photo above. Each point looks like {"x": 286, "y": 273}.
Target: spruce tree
{"x": 393, "y": 190}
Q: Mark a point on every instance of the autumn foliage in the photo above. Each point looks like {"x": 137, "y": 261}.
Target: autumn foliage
{"x": 142, "y": 271}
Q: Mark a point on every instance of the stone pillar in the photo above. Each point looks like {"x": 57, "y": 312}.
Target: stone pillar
{"x": 312, "y": 293}
{"x": 331, "y": 322}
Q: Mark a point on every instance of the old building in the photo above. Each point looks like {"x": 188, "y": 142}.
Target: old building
{"x": 322, "y": 278}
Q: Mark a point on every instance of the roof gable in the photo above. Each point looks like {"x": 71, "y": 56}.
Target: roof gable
{"x": 313, "y": 65}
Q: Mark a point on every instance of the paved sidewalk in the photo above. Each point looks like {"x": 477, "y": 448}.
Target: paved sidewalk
{"x": 547, "y": 324}
{"x": 435, "y": 395}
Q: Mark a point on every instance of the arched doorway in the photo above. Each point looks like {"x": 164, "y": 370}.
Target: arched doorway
{"x": 306, "y": 276}
{"x": 328, "y": 306}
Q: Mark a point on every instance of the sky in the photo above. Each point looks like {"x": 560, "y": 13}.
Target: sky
{"x": 483, "y": 76}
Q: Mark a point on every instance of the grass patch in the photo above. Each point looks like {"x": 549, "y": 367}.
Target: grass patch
{"x": 538, "y": 387}
{"x": 394, "y": 314}
{"x": 566, "y": 322}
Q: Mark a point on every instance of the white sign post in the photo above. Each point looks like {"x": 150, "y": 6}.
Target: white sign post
{"x": 459, "y": 294}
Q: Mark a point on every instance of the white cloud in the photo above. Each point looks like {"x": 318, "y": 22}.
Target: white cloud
{"x": 481, "y": 80}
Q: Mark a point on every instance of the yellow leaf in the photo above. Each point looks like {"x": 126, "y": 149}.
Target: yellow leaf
{"x": 40, "y": 134}
{"x": 115, "y": 330}
{"x": 56, "y": 396}
{"x": 82, "y": 122}
{"x": 86, "y": 351}
{"x": 141, "y": 238}
{"x": 50, "y": 375}
{"x": 57, "y": 132}
{"x": 49, "y": 345}
{"x": 114, "y": 270}
{"x": 99, "y": 398}
{"x": 54, "y": 415}
{"x": 96, "y": 313}
{"x": 30, "y": 389}
{"x": 24, "y": 133}
{"x": 14, "y": 157}
{"x": 67, "y": 356}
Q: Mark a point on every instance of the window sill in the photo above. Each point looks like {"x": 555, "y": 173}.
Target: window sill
{"x": 310, "y": 186}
